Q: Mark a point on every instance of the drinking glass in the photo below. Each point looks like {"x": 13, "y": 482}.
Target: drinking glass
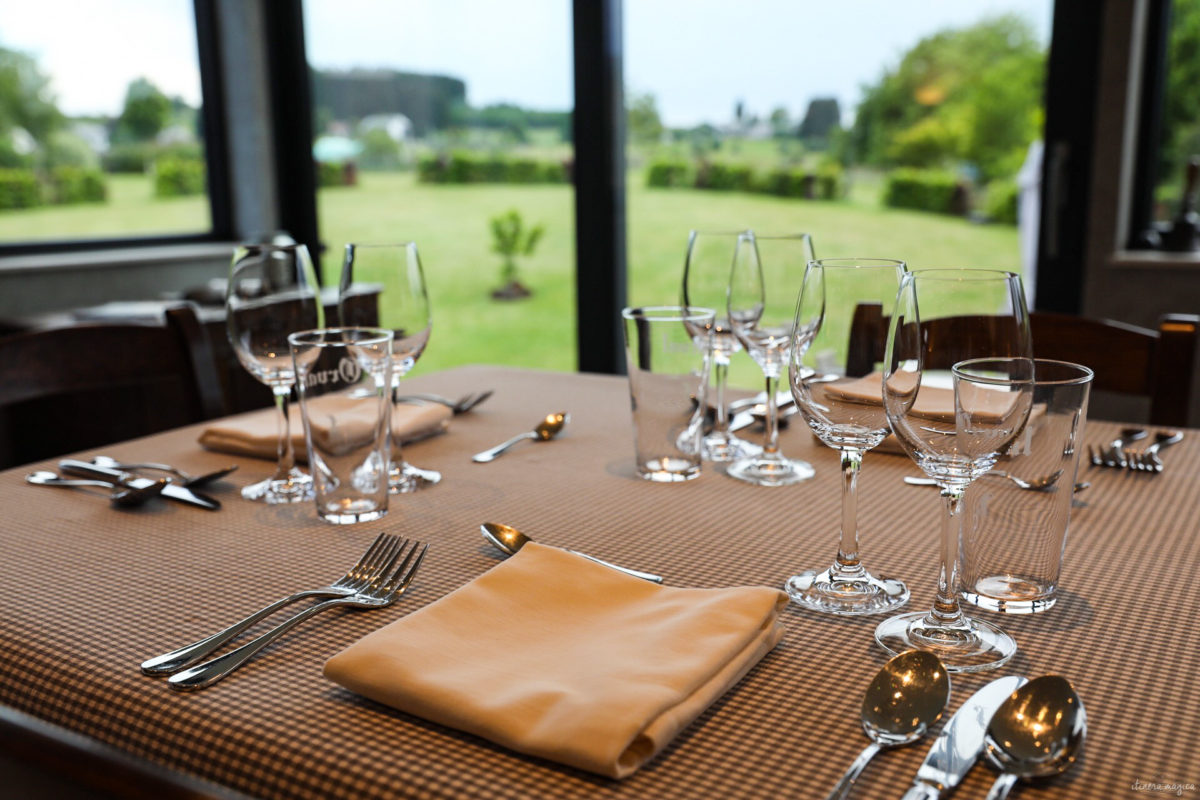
{"x": 763, "y": 285}
{"x": 272, "y": 292}
{"x": 837, "y": 351}
{"x": 706, "y": 284}
{"x": 382, "y": 285}
{"x": 957, "y": 388}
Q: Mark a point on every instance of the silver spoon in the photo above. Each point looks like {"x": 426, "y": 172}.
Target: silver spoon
{"x": 510, "y": 540}
{"x": 184, "y": 478}
{"x": 544, "y": 431}
{"x": 121, "y": 495}
{"x": 1038, "y": 731}
{"x": 906, "y": 697}
{"x": 1148, "y": 460}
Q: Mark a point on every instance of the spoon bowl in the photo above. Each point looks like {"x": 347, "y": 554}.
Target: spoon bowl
{"x": 1037, "y": 732}
{"x": 509, "y": 540}
{"x": 906, "y": 697}
{"x": 544, "y": 431}
{"x": 119, "y": 494}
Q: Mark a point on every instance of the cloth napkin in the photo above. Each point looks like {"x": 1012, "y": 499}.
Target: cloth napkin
{"x": 552, "y": 655}
{"x": 256, "y": 434}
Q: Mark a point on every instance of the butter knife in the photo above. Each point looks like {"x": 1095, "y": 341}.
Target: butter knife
{"x": 172, "y": 490}
{"x": 957, "y": 747}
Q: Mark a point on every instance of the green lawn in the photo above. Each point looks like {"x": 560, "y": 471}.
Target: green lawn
{"x": 450, "y": 224}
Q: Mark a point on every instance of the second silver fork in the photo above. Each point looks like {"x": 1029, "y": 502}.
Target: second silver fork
{"x": 372, "y": 562}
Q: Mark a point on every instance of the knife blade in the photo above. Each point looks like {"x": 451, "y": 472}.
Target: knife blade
{"x": 172, "y": 490}
{"x": 957, "y": 747}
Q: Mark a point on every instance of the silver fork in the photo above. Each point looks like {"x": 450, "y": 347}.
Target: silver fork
{"x": 1148, "y": 460}
{"x": 381, "y": 592}
{"x": 459, "y": 406}
{"x": 369, "y": 566}
{"x": 1114, "y": 454}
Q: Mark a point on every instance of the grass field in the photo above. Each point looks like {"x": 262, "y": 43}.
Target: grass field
{"x": 450, "y": 225}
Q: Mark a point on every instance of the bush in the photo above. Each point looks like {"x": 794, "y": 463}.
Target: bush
{"x": 1000, "y": 201}
{"x": 465, "y": 167}
{"x": 723, "y": 177}
{"x": 432, "y": 169}
{"x": 132, "y": 158}
{"x": 19, "y": 189}
{"x": 924, "y": 190}
{"x": 177, "y": 177}
{"x": 330, "y": 174}
{"x": 668, "y": 174}
{"x": 77, "y": 185}
{"x": 829, "y": 179}
{"x": 787, "y": 182}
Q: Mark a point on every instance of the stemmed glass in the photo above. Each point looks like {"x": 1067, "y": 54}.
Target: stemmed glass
{"x": 958, "y": 383}
{"x": 706, "y": 284}
{"x": 273, "y": 292}
{"x": 838, "y": 344}
{"x": 383, "y": 286}
{"x": 763, "y": 284}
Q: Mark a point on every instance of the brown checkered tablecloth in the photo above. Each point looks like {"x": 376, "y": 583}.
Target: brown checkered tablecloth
{"x": 89, "y": 591}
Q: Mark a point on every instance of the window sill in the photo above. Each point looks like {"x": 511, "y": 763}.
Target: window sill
{"x": 1154, "y": 259}
{"x": 117, "y": 258}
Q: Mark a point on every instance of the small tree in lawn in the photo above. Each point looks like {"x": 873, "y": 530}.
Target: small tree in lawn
{"x": 510, "y": 239}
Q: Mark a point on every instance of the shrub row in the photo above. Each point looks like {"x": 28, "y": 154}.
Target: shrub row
{"x": 926, "y": 190}
{"x": 464, "y": 167}
{"x": 826, "y": 183}
{"x": 178, "y": 177}
{"x": 24, "y": 188}
{"x": 138, "y": 157}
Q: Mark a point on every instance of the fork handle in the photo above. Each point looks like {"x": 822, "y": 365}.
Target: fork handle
{"x": 190, "y": 654}
{"x": 210, "y": 672}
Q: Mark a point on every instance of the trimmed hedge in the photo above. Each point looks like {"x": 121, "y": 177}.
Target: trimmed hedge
{"x": 465, "y": 167}
{"x": 826, "y": 183}
{"x": 19, "y": 188}
{"x": 925, "y": 190}
{"x": 178, "y": 177}
{"x": 77, "y": 185}
{"x": 1000, "y": 202}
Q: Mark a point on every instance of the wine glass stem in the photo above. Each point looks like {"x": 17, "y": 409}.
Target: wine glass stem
{"x": 720, "y": 376}
{"x": 848, "y": 563}
{"x": 771, "y": 424}
{"x": 286, "y": 456}
{"x": 946, "y": 610}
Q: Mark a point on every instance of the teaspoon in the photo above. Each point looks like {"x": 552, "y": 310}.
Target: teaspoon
{"x": 185, "y": 479}
{"x": 510, "y": 540}
{"x": 121, "y": 495}
{"x": 1038, "y": 731}
{"x": 906, "y": 697}
{"x": 544, "y": 431}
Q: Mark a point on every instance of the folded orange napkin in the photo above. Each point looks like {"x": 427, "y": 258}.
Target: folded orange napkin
{"x": 256, "y": 435}
{"x": 555, "y": 656}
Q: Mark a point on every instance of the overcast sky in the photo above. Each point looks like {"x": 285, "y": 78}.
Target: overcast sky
{"x": 697, "y": 57}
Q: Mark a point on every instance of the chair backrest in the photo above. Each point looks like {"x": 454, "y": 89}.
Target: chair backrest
{"x": 1126, "y": 359}
{"x": 68, "y": 388}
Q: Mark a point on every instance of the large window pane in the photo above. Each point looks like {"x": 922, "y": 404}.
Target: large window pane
{"x": 100, "y": 129}
{"x": 434, "y": 120}
{"x": 1180, "y": 141}
{"x": 896, "y": 131}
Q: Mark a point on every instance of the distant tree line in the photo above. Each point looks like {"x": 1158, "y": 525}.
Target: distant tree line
{"x": 429, "y": 101}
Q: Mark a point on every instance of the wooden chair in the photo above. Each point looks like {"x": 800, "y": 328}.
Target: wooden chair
{"x": 70, "y": 388}
{"x": 1126, "y": 359}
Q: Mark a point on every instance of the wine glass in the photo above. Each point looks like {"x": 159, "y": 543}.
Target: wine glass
{"x": 957, "y": 388}
{"x": 706, "y": 284}
{"x": 272, "y": 292}
{"x": 383, "y": 286}
{"x": 763, "y": 284}
{"x": 833, "y": 370}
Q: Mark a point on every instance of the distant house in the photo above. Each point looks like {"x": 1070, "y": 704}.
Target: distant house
{"x": 398, "y": 126}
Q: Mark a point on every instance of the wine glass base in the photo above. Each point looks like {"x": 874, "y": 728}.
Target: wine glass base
{"x": 770, "y": 472}
{"x": 972, "y": 647}
{"x": 726, "y": 447}
{"x": 404, "y": 478}
{"x": 866, "y": 594}
{"x": 297, "y": 487}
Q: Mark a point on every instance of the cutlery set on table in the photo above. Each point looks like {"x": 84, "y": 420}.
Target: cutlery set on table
{"x": 129, "y": 489}
{"x": 1117, "y": 453}
{"x": 1025, "y": 729}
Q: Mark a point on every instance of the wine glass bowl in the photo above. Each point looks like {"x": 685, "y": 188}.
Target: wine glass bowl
{"x": 763, "y": 285}
{"x": 957, "y": 389}
{"x": 272, "y": 293}
{"x": 833, "y": 371}
{"x": 383, "y": 285}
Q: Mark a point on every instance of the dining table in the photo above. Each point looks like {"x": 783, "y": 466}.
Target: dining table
{"x": 91, "y": 590}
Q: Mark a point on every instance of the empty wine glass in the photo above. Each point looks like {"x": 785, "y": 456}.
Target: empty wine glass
{"x": 383, "y": 286}
{"x": 838, "y": 346}
{"x": 272, "y": 292}
{"x": 957, "y": 387}
{"x": 763, "y": 285}
{"x": 706, "y": 284}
